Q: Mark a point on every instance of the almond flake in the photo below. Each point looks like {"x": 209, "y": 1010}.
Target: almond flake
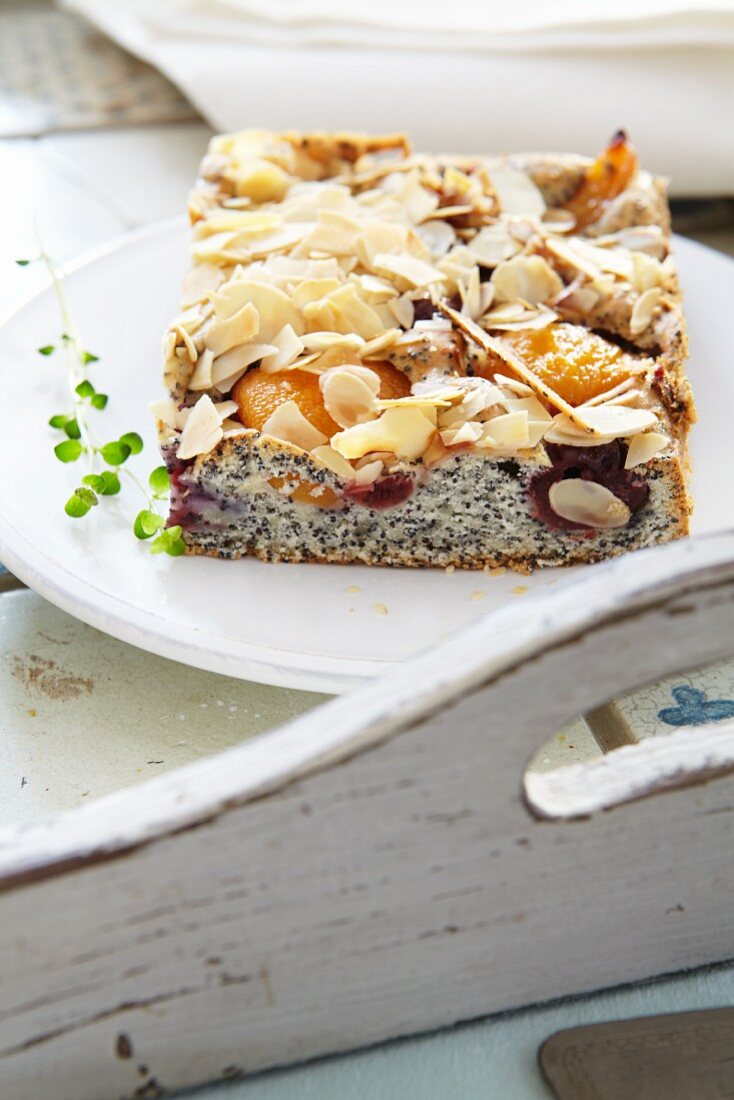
{"x": 201, "y": 379}
{"x": 289, "y": 347}
{"x": 344, "y": 311}
{"x": 369, "y": 473}
{"x": 333, "y": 461}
{"x": 380, "y": 237}
{"x": 288, "y": 424}
{"x": 165, "y": 410}
{"x": 515, "y": 190}
{"x": 408, "y": 268}
{"x": 438, "y": 236}
{"x": 202, "y": 430}
{"x": 530, "y": 278}
{"x": 644, "y": 447}
{"x": 644, "y": 310}
{"x": 402, "y": 310}
{"x": 349, "y": 397}
{"x": 493, "y": 244}
{"x": 310, "y": 290}
{"x": 188, "y": 343}
{"x": 273, "y": 306}
{"x": 469, "y": 432}
{"x": 200, "y": 283}
{"x": 510, "y": 430}
{"x": 320, "y": 341}
{"x": 235, "y": 330}
{"x": 648, "y": 272}
{"x": 334, "y": 234}
{"x": 401, "y": 431}
{"x": 380, "y": 343}
{"x": 588, "y": 503}
{"x": 227, "y": 368}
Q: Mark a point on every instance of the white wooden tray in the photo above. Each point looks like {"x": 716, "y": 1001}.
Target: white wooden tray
{"x": 378, "y": 867}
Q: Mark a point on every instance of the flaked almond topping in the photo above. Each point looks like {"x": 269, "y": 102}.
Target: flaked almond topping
{"x": 402, "y": 431}
{"x": 333, "y": 461}
{"x": 202, "y": 431}
{"x": 644, "y": 309}
{"x": 509, "y": 430}
{"x": 288, "y": 424}
{"x": 372, "y": 348}
{"x": 349, "y": 394}
{"x": 165, "y": 410}
{"x": 200, "y": 283}
{"x": 493, "y": 244}
{"x": 644, "y": 447}
{"x": 408, "y": 268}
{"x": 288, "y": 346}
{"x": 228, "y": 368}
{"x": 468, "y": 432}
{"x": 274, "y": 307}
{"x": 438, "y": 236}
{"x": 515, "y": 190}
{"x": 530, "y": 278}
{"x": 188, "y": 343}
{"x": 493, "y": 346}
{"x": 201, "y": 379}
{"x": 536, "y": 318}
{"x": 368, "y": 473}
{"x": 588, "y": 503}
{"x": 617, "y": 421}
{"x": 402, "y": 311}
{"x": 648, "y": 272}
{"x": 320, "y": 341}
{"x": 235, "y": 330}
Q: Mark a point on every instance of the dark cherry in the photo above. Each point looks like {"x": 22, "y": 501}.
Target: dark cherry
{"x": 604, "y": 464}
{"x": 386, "y": 493}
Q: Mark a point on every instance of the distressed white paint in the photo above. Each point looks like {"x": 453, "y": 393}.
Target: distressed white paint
{"x": 370, "y": 870}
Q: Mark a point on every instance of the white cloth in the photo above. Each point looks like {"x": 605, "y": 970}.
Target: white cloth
{"x": 458, "y": 75}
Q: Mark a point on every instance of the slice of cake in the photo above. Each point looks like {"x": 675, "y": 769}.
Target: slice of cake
{"x": 406, "y": 359}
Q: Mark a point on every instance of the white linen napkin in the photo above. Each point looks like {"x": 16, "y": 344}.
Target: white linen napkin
{"x": 464, "y": 76}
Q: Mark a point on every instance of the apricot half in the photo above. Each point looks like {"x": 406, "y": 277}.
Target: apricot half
{"x": 258, "y": 395}
{"x": 603, "y": 180}
{"x": 574, "y": 362}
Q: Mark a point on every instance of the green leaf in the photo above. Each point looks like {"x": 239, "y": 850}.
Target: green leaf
{"x": 85, "y": 389}
{"x": 169, "y": 542}
{"x": 146, "y": 524}
{"x": 80, "y": 502}
{"x": 22, "y": 263}
{"x": 133, "y": 441}
{"x": 68, "y": 451}
{"x": 115, "y": 452}
{"x": 76, "y": 507}
{"x": 99, "y": 400}
{"x": 65, "y": 338}
{"x": 111, "y": 483}
{"x": 159, "y": 480}
{"x": 47, "y": 349}
{"x": 94, "y": 481}
{"x": 71, "y": 427}
{"x": 60, "y": 420}
{"x": 88, "y": 357}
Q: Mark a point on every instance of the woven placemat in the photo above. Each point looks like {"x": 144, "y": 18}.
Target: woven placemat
{"x": 58, "y": 73}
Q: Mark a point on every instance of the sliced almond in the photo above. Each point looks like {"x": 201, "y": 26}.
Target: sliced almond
{"x": 493, "y": 244}
{"x": 200, "y": 282}
{"x": 202, "y": 430}
{"x": 643, "y": 310}
{"x": 310, "y": 290}
{"x": 273, "y": 306}
{"x": 201, "y": 379}
{"x": 530, "y": 278}
{"x": 333, "y": 461}
{"x": 227, "y": 368}
{"x": 349, "y": 398}
{"x": 368, "y": 473}
{"x": 515, "y": 190}
{"x": 320, "y": 341}
{"x": 235, "y": 330}
{"x": 372, "y": 348}
{"x": 644, "y": 447}
{"x": 648, "y": 272}
{"x": 438, "y": 236}
{"x": 288, "y": 424}
{"x": 588, "y": 503}
{"x": 509, "y": 430}
{"x": 617, "y": 421}
{"x": 402, "y": 310}
{"x": 289, "y": 347}
{"x": 401, "y": 431}
{"x": 469, "y": 432}
{"x": 408, "y": 268}
{"x": 165, "y": 410}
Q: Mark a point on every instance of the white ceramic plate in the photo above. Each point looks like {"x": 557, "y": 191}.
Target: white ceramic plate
{"x": 319, "y": 627}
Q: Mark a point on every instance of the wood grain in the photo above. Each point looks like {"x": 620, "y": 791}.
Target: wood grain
{"x": 371, "y": 869}
{"x": 681, "y": 1056}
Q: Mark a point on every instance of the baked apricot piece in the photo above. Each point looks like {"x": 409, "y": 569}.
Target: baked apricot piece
{"x": 603, "y": 180}
{"x": 258, "y": 395}
{"x": 574, "y": 362}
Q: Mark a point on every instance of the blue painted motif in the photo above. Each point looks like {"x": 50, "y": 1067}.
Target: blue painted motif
{"x": 694, "y": 709}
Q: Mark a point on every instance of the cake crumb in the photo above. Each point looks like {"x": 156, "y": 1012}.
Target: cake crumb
{"x": 519, "y": 590}
{"x": 496, "y": 572}
{"x": 449, "y": 570}
{"x": 478, "y": 595}
{"x": 381, "y": 609}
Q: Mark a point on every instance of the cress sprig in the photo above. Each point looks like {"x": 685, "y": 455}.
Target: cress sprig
{"x": 105, "y": 460}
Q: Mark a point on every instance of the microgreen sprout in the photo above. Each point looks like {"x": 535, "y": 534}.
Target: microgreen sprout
{"x": 105, "y": 460}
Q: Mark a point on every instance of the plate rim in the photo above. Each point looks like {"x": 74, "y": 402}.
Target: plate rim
{"x": 265, "y": 663}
